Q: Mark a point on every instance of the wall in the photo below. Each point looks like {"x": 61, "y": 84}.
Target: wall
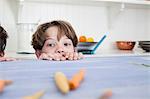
{"x": 8, "y": 17}
{"x": 128, "y": 24}
{"x": 89, "y": 20}
{"x": 86, "y": 20}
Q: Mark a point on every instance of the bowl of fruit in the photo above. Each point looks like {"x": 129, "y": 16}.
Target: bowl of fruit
{"x": 86, "y": 44}
{"x": 83, "y": 46}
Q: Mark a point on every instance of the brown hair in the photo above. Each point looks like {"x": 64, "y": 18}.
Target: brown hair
{"x": 64, "y": 28}
{"x": 3, "y": 39}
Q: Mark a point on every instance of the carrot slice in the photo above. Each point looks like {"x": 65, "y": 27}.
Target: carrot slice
{"x": 107, "y": 94}
{"x": 61, "y": 82}
{"x": 76, "y": 79}
{"x": 4, "y": 83}
{"x": 37, "y": 95}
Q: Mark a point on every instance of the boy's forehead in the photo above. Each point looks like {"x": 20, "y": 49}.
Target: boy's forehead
{"x": 53, "y": 32}
{"x": 52, "y": 37}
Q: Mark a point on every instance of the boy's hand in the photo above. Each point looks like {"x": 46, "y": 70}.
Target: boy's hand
{"x": 49, "y": 56}
{"x": 61, "y": 56}
{"x": 6, "y": 59}
{"x": 74, "y": 56}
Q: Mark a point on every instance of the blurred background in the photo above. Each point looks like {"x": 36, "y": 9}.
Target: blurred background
{"x": 120, "y": 20}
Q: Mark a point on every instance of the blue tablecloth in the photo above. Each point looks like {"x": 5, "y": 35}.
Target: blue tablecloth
{"x": 124, "y": 75}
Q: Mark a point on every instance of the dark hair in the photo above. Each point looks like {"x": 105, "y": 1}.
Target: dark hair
{"x": 3, "y": 39}
{"x": 64, "y": 28}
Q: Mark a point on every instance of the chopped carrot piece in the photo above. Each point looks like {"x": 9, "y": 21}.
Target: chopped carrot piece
{"x": 76, "y": 79}
{"x": 107, "y": 94}
{"x": 37, "y": 95}
{"x": 61, "y": 82}
{"x": 4, "y": 83}
{"x": 8, "y": 82}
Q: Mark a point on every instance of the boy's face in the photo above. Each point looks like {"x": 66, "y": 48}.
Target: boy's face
{"x": 52, "y": 45}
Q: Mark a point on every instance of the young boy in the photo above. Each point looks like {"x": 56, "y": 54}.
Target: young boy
{"x": 3, "y": 41}
{"x": 56, "y": 40}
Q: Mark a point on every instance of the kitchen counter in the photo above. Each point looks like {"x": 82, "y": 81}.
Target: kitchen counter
{"x": 126, "y": 76}
{"x": 116, "y": 52}
{"x": 102, "y": 53}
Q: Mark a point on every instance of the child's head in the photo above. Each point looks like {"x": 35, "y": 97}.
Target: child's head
{"x": 54, "y": 37}
{"x": 3, "y": 40}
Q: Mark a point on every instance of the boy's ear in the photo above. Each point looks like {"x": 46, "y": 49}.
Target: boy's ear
{"x": 38, "y": 53}
{"x": 2, "y": 53}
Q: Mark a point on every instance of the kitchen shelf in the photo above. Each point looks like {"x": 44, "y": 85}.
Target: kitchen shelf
{"x": 128, "y": 3}
{"x": 139, "y": 2}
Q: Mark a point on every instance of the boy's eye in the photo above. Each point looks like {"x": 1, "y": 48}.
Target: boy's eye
{"x": 67, "y": 44}
{"x": 51, "y": 44}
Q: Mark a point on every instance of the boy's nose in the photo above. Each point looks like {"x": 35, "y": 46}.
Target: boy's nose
{"x": 60, "y": 51}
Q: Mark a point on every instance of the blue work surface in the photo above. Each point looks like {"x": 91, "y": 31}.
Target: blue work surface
{"x": 125, "y": 76}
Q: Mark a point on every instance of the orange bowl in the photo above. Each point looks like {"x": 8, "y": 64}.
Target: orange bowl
{"x": 125, "y": 45}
